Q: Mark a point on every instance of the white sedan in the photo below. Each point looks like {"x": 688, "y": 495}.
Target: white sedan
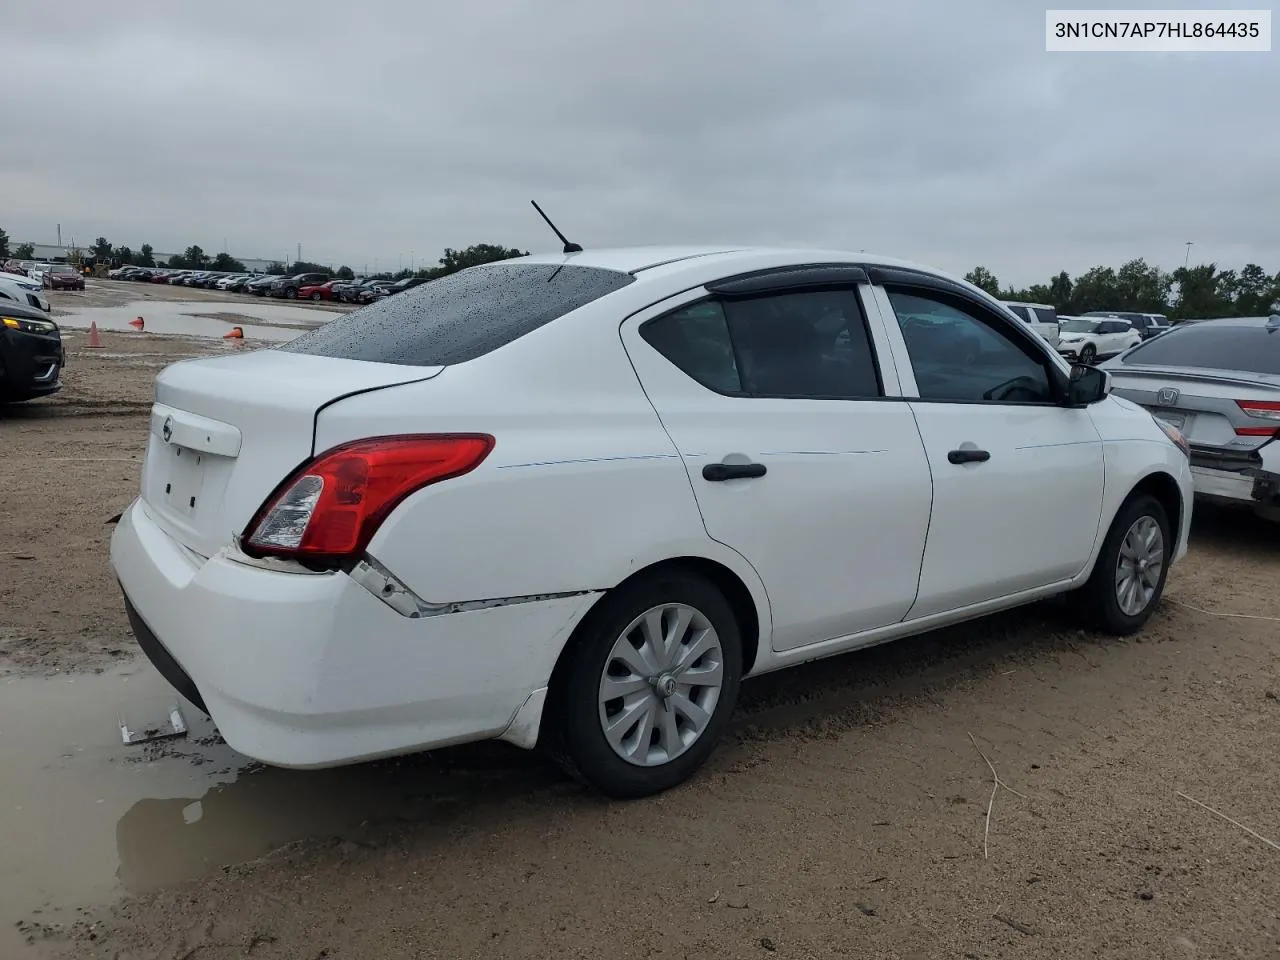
{"x": 572, "y": 500}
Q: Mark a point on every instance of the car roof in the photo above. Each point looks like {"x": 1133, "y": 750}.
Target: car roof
{"x": 650, "y": 260}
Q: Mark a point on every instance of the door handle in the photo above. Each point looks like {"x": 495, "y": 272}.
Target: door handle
{"x": 717, "y": 472}
{"x": 968, "y": 456}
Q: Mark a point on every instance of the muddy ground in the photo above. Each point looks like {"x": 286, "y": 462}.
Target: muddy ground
{"x": 846, "y": 815}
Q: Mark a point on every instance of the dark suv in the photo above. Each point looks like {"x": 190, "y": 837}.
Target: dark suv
{"x": 287, "y": 287}
{"x": 1147, "y": 324}
{"x": 31, "y": 353}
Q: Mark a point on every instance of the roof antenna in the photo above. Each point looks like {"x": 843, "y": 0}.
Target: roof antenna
{"x": 568, "y": 247}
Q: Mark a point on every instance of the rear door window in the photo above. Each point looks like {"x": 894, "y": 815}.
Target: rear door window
{"x": 1045, "y": 315}
{"x": 462, "y": 316}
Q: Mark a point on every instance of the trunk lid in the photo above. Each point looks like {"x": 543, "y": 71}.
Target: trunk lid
{"x": 1200, "y": 403}
{"x": 225, "y": 431}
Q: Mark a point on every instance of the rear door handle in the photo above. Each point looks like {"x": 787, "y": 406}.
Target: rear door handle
{"x": 716, "y": 472}
{"x": 968, "y": 456}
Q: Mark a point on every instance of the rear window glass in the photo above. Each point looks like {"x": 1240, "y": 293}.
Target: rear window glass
{"x": 1208, "y": 345}
{"x": 1045, "y": 315}
{"x": 462, "y": 316}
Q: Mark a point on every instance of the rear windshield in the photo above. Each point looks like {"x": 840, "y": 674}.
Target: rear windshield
{"x": 462, "y": 316}
{"x": 1249, "y": 349}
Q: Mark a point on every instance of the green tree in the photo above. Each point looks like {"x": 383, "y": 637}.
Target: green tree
{"x": 1199, "y": 296}
{"x": 306, "y": 266}
{"x": 276, "y": 269}
{"x": 346, "y": 273}
{"x": 101, "y": 250}
{"x": 1141, "y": 288}
{"x": 984, "y": 279}
{"x": 23, "y": 251}
{"x": 146, "y": 256}
{"x": 123, "y": 255}
{"x": 1095, "y": 289}
{"x": 473, "y": 256}
{"x": 1254, "y": 292}
{"x": 227, "y": 264}
{"x": 1060, "y": 291}
{"x": 4, "y": 243}
{"x": 195, "y": 258}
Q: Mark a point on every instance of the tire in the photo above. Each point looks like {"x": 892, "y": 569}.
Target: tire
{"x": 574, "y": 728}
{"x": 316, "y": 297}
{"x": 1088, "y": 353}
{"x": 291, "y": 294}
{"x": 1099, "y": 600}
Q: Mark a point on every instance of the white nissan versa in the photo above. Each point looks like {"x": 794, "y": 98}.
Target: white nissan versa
{"x": 572, "y": 500}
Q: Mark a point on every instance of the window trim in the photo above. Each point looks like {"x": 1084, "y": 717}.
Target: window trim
{"x": 1020, "y": 336}
{"x": 711, "y": 297}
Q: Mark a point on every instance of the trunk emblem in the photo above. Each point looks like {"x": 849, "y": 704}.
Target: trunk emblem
{"x": 1167, "y": 396}
{"x": 167, "y": 430}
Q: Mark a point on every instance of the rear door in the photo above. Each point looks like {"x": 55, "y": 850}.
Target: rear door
{"x": 777, "y": 404}
{"x": 1017, "y": 478}
{"x": 1047, "y": 323}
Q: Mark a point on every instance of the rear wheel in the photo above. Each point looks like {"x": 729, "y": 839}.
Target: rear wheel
{"x": 315, "y": 296}
{"x": 1088, "y": 353}
{"x": 649, "y": 687}
{"x": 1129, "y": 576}
{"x": 291, "y": 294}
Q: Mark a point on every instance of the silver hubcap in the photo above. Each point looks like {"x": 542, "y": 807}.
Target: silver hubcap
{"x": 661, "y": 684}
{"x": 1140, "y": 565}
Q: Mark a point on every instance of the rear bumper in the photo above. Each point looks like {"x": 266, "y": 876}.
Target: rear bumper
{"x": 311, "y": 670}
{"x": 1229, "y": 479}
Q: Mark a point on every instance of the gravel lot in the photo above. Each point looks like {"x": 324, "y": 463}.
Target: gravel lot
{"x": 845, "y": 816}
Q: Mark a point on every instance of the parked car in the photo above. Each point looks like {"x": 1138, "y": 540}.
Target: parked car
{"x": 17, "y": 290}
{"x": 288, "y": 287}
{"x": 317, "y": 291}
{"x": 63, "y": 276}
{"x": 574, "y": 500}
{"x": 1148, "y": 325}
{"x": 1041, "y": 317}
{"x": 1088, "y": 338}
{"x": 408, "y": 283}
{"x": 373, "y": 290}
{"x": 1217, "y": 381}
{"x": 261, "y": 286}
{"x": 31, "y": 353}
{"x": 237, "y": 284}
{"x": 341, "y": 289}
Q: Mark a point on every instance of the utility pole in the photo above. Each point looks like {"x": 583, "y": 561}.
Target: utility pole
{"x": 299, "y": 260}
{"x": 59, "y": 234}
{"x": 1187, "y": 259}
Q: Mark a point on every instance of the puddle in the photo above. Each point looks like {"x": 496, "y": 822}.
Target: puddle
{"x": 85, "y": 817}
{"x": 265, "y": 321}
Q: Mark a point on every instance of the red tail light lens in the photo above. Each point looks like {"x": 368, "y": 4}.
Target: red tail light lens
{"x": 1263, "y": 410}
{"x": 329, "y": 509}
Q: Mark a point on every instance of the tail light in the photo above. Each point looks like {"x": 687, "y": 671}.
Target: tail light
{"x": 1268, "y": 410}
{"x": 329, "y": 509}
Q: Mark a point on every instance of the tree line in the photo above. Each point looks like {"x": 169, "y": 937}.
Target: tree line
{"x": 195, "y": 258}
{"x": 1198, "y": 292}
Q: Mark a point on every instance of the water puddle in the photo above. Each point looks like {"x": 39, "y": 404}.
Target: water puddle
{"x": 264, "y": 321}
{"x": 85, "y": 817}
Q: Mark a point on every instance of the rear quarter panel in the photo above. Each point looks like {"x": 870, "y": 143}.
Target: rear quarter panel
{"x": 582, "y": 489}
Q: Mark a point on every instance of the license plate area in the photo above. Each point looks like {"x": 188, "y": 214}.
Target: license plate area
{"x": 184, "y": 479}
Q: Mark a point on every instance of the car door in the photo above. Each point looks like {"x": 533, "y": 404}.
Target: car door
{"x": 775, "y": 402}
{"x": 1017, "y": 477}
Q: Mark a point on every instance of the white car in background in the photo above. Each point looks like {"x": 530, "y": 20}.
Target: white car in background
{"x": 1040, "y": 317}
{"x": 1088, "y": 339}
{"x": 574, "y": 499}
{"x": 21, "y": 290}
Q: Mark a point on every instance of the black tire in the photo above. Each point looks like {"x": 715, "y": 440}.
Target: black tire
{"x": 571, "y": 732}
{"x": 291, "y": 294}
{"x": 1088, "y": 354}
{"x": 316, "y": 297}
{"x": 1097, "y": 601}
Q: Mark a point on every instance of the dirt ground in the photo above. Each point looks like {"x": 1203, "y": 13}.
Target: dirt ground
{"x": 846, "y": 815}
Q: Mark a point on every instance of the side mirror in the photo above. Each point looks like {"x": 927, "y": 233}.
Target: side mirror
{"x": 1087, "y": 385}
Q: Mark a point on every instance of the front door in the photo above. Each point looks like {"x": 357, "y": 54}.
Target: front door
{"x": 773, "y": 403}
{"x": 1017, "y": 478}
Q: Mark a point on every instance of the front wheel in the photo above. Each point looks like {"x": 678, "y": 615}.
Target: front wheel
{"x": 291, "y": 294}
{"x": 1129, "y": 576}
{"x": 649, "y": 687}
{"x": 315, "y": 296}
{"x": 1088, "y": 353}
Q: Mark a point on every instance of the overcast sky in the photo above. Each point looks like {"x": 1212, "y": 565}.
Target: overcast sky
{"x": 375, "y": 131}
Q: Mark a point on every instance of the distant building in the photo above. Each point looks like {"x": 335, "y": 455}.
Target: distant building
{"x": 51, "y": 252}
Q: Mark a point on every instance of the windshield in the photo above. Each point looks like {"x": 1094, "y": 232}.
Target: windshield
{"x": 63, "y": 269}
{"x": 1079, "y": 326}
{"x": 1210, "y": 345}
{"x": 462, "y": 316}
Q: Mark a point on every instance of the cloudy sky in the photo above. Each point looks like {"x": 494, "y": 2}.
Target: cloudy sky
{"x": 389, "y": 129}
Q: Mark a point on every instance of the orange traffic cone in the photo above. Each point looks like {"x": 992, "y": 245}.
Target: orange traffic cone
{"x": 95, "y": 339}
{"x": 235, "y": 333}
{"x": 137, "y": 322}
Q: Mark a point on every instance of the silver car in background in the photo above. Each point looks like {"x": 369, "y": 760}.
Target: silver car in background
{"x": 1218, "y": 381}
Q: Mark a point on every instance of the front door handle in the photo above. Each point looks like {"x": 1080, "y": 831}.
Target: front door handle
{"x": 717, "y": 472}
{"x": 969, "y": 455}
